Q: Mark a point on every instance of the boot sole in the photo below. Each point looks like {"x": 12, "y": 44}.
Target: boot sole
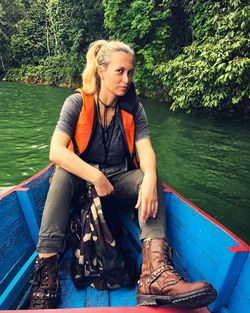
{"x": 193, "y": 300}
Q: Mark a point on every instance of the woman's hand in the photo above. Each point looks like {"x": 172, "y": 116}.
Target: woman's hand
{"x": 147, "y": 198}
{"x": 63, "y": 157}
{"x": 103, "y": 186}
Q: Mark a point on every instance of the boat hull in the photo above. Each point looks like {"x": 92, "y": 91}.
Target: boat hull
{"x": 203, "y": 249}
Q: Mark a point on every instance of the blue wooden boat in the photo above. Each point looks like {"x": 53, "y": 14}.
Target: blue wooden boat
{"x": 205, "y": 249}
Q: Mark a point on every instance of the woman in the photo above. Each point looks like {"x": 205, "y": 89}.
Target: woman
{"x": 99, "y": 132}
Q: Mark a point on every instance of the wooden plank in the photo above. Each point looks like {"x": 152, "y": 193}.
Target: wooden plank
{"x": 13, "y": 290}
{"x": 132, "y": 228}
{"x": 199, "y": 228}
{"x": 243, "y": 282}
{"x": 195, "y": 239}
{"x": 16, "y": 244}
{"x": 123, "y": 297}
{"x": 239, "y": 303}
{"x": 224, "y": 310}
{"x": 71, "y": 297}
{"x": 226, "y": 278}
{"x": 95, "y": 298}
{"x": 204, "y": 241}
{"x": 77, "y": 298}
{"x": 133, "y": 243}
{"x": 241, "y": 295}
{"x": 241, "y": 245}
{"x": 129, "y": 249}
{"x": 27, "y": 204}
{"x": 39, "y": 186}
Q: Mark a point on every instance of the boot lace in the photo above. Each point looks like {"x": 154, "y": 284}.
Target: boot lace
{"x": 40, "y": 291}
{"x": 168, "y": 260}
{"x": 39, "y": 276}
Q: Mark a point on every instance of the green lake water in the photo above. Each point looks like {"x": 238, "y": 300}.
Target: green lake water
{"x": 205, "y": 158}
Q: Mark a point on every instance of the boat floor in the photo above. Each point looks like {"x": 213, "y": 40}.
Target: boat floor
{"x": 90, "y": 300}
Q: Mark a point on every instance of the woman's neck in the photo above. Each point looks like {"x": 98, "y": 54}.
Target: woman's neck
{"x": 106, "y": 100}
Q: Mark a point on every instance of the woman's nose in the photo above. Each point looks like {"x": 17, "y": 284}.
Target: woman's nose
{"x": 125, "y": 78}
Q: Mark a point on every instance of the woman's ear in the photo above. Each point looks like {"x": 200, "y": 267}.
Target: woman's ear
{"x": 100, "y": 72}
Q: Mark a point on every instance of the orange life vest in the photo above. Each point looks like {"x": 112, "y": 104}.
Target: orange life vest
{"x": 85, "y": 124}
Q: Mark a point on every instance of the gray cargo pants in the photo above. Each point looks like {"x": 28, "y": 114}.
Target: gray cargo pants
{"x": 62, "y": 190}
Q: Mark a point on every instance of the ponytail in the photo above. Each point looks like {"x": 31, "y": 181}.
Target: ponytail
{"x": 90, "y": 76}
{"x": 99, "y": 54}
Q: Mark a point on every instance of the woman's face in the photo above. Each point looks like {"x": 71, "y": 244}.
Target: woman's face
{"x": 117, "y": 77}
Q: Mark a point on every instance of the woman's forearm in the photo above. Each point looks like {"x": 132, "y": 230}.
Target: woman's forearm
{"x": 72, "y": 163}
{"x": 147, "y": 157}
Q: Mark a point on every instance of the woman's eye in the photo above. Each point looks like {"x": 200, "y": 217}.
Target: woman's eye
{"x": 120, "y": 71}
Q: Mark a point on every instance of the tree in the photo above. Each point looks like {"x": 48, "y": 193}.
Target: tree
{"x": 213, "y": 71}
{"x": 3, "y": 41}
{"x": 53, "y": 36}
{"x": 29, "y": 43}
{"x": 10, "y": 12}
{"x": 146, "y": 26}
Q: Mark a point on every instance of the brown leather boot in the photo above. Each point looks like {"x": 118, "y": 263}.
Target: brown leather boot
{"x": 160, "y": 284}
{"x": 45, "y": 289}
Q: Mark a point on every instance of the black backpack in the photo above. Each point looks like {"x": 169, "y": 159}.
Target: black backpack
{"x": 97, "y": 260}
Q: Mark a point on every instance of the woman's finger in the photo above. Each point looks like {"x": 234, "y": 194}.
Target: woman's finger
{"x": 138, "y": 203}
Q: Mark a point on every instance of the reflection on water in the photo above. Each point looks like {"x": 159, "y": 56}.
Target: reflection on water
{"x": 205, "y": 158}
{"x": 28, "y": 114}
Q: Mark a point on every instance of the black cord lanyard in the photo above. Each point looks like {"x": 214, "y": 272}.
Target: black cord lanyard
{"x": 106, "y": 140}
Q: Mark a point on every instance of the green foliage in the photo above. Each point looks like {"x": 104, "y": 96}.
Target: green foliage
{"x": 194, "y": 53}
{"x": 60, "y": 70}
{"x": 146, "y": 26}
{"x": 53, "y": 36}
{"x": 10, "y": 12}
{"x": 213, "y": 71}
{"x": 221, "y": 18}
{"x": 3, "y": 40}
{"x": 209, "y": 75}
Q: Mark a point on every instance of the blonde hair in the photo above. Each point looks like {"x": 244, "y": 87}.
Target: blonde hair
{"x": 99, "y": 54}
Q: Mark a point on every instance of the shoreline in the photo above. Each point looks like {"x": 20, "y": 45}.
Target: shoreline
{"x": 236, "y": 109}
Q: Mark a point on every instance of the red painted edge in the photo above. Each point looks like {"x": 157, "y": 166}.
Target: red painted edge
{"x": 135, "y": 309}
{"x": 243, "y": 246}
{"x": 22, "y": 189}
{"x": 26, "y": 181}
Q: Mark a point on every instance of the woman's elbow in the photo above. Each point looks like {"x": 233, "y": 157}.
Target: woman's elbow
{"x": 53, "y": 155}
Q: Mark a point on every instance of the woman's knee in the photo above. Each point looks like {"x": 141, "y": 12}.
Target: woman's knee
{"x": 138, "y": 176}
{"x": 62, "y": 182}
{"x": 62, "y": 177}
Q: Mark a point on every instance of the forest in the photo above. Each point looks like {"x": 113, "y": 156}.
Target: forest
{"x": 191, "y": 54}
